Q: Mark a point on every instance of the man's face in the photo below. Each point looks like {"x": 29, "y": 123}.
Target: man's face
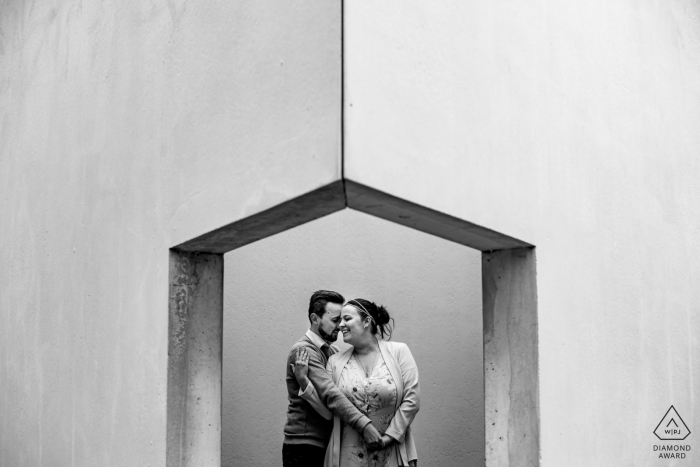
{"x": 329, "y": 322}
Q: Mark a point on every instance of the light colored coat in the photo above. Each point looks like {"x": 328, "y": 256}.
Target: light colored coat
{"x": 403, "y": 369}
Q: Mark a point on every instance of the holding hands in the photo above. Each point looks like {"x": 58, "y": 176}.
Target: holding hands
{"x": 373, "y": 439}
{"x": 384, "y": 440}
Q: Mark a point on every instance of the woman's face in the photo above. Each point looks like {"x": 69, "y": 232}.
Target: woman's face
{"x": 352, "y": 325}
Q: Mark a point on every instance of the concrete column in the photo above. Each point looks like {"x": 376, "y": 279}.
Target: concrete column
{"x": 194, "y": 360}
{"x": 510, "y": 358}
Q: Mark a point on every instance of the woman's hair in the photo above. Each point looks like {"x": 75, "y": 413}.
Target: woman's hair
{"x": 379, "y": 315}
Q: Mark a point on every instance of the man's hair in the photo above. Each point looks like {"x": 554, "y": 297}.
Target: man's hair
{"x": 317, "y": 304}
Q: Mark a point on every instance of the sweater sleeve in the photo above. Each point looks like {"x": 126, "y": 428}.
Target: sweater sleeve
{"x": 331, "y": 396}
{"x": 311, "y": 396}
{"x": 411, "y": 395}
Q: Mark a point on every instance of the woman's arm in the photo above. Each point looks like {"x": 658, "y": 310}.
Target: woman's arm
{"x": 411, "y": 395}
{"x": 307, "y": 390}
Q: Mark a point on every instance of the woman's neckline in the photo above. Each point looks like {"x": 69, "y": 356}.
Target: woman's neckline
{"x": 355, "y": 351}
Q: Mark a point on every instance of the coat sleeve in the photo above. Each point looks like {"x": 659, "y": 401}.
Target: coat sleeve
{"x": 331, "y": 396}
{"x": 411, "y": 395}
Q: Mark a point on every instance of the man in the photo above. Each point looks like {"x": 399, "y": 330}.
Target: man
{"x": 306, "y": 433}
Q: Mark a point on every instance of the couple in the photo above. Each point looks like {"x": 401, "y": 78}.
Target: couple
{"x": 349, "y": 408}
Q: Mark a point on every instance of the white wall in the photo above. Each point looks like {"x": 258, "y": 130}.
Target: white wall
{"x": 127, "y": 127}
{"x": 430, "y": 286}
{"x": 574, "y": 126}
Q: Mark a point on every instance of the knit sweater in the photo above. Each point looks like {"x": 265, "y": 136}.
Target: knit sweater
{"x": 305, "y": 425}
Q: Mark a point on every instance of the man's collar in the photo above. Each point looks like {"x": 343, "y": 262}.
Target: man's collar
{"x": 316, "y": 339}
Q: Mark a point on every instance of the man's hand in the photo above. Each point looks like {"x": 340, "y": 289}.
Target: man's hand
{"x": 373, "y": 439}
{"x": 300, "y": 367}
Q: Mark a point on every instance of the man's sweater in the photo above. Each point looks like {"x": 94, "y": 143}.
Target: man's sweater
{"x": 304, "y": 425}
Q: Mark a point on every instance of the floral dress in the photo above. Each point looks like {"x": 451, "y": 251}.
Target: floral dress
{"x": 375, "y": 397}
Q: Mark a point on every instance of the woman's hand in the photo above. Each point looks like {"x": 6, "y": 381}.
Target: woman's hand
{"x": 386, "y": 441}
{"x": 413, "y": 463}
{"x": 300, "y": 367}
{"x": 373, "y": 439}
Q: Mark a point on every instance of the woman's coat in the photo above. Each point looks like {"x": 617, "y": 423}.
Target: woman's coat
{"x": 403, "y": 369}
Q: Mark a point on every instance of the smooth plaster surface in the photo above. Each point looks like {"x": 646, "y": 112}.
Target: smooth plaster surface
{"x": 127, "y": 128}
{"x": 572, "y": 126}
{"x": 431, "y": 286}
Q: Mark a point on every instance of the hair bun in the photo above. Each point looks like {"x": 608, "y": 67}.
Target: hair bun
{"x": 382, "y": 315}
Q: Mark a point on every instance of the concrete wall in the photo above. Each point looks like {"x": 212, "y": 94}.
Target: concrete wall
{"x": 127, "y": 128}
{"x": 573, "y": 126}
{"x": 432, "y": 288}
{"x": 130, "y": 127}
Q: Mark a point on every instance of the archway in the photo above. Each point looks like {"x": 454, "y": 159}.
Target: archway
{"x": 509, "y": 317}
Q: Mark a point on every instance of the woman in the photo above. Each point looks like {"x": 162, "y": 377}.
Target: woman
{"x": 381, "y": 379}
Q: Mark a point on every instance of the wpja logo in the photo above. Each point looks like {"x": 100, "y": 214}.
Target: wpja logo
{"x": 672, "y": 428}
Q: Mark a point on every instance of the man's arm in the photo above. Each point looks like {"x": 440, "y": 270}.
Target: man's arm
{"x": 300, "y": 368}
{"x": 331, "y": 396}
